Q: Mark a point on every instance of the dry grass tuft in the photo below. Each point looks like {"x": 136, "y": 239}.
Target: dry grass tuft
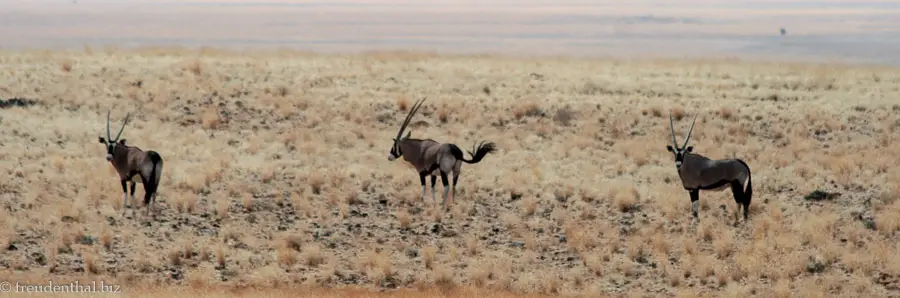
{"x": 312, "y": 255}
{"x": 428, "y": 256}
{"x": 726, "y": 113}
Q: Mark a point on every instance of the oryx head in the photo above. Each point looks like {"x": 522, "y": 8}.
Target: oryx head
{"x": 109, "y": 141}
{"x": 395, "y": 148}
{"x": 680, "y": 151}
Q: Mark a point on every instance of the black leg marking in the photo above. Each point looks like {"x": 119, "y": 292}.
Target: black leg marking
{"x": 422, "y": 175}
{"x": 125, "y": 191}
{"x": 695, "y": 196}
{"x": 147, "y": 196}
{"x": 444, "y": 179}
{"x": 125, "y": 195}
{"x": 446, "y": 187}
{"x": 149, "y": 193}
{"x": 738, "y": 196}
{"x": 737, "y": 192}
{"x": 133, "y": 184}
{"x": 455, "y": 179}
{"x": 746, "y": 206}
{"x": 433, "y": 181}
{"x": 745, "y": 200}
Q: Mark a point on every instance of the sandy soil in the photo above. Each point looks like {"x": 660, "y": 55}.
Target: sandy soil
{"x": 276, "y": 174}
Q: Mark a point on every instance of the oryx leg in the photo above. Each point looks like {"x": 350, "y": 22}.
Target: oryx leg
{"x": 433, "y": 190}
{"x": 151, "y": 205}
{"x": 125, "y": 195}
{"x": 149, "y": 195}
{"x": 133, "y": 187}
{"x": 738, "y": 193}
{"x": 446, "y": 183}
{"x": 422, "y": 175}
{"x": 746, "y": 202}
{"x": 453, "y": 187}
{"x": 695, "y": 201}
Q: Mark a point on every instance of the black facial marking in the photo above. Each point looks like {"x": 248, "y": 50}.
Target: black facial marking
{"x": 679, "y": 153}
{"x": 395, "y": 150}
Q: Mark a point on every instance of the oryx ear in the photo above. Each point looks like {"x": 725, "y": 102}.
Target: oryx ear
{"x": 102, "y": 140}
{"x": 669, "y": 147}
{"x": 122, "y": 141}
{"x": 689, "y": 148}
{"x": 408, "y": 133}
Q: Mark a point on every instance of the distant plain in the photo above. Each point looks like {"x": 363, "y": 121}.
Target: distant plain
{"x": 848, "y": 31}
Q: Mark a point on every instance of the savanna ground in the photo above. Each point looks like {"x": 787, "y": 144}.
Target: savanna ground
{"x": 276, "y": 175}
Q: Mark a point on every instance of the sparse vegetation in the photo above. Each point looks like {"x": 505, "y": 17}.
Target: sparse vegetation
{"x": 582, "y": 199}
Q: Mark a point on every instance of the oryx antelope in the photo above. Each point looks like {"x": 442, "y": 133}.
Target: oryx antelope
{"x": 698, "y": 172}
{"x": 132, "y": 162}
{"x": 429, "y": 156}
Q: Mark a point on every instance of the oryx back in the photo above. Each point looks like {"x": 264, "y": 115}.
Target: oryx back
{"x": 700, "y": 172}
{"x": 420, "y": 153}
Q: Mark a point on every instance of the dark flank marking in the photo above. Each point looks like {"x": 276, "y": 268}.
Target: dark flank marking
{"x": 718, "y": 184}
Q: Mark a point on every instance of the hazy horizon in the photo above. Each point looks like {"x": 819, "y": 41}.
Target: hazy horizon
{"x": 848, "y": 31}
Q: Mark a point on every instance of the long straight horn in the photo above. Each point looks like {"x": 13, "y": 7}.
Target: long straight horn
{"x": 672, "y": 126}
{"x": 412, "y": 111}
{"x": 688, "y": 138}
{"x": 123, "y": 126}
{"x": 107, "y": 127}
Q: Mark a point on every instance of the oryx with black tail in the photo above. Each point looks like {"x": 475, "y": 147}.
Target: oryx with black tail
{"x": 698, "y": 172}
{"x": 132, "y": 162}
{"x": 429, "y": 156}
